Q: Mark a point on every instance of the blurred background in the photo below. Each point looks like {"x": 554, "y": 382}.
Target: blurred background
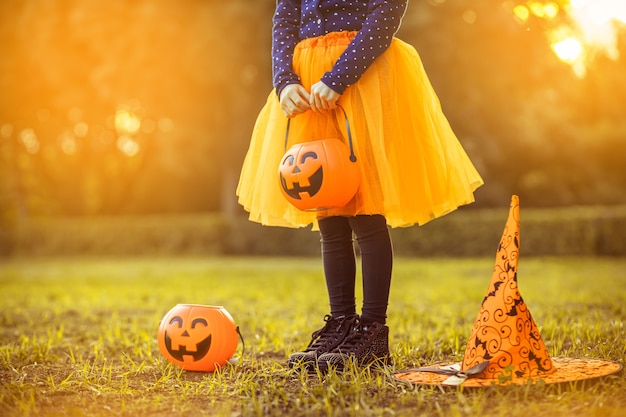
{"x": 142, "y": 109}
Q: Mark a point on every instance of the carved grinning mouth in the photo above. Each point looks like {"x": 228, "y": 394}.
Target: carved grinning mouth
{"x": 315, "y": 184}
{"x": 202, "y": 348}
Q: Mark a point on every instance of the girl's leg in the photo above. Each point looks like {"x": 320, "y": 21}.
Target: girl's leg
{"x": 377, "y": 260}
{"x": 368, "y": 342}
{"x": 340, "y": 270}
{"x": 339, "y": 264}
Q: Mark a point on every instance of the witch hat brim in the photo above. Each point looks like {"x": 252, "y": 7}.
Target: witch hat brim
{"x": 505, "y": 346}
{"x": 566, "y": 370}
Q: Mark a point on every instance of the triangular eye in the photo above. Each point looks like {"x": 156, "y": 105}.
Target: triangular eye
{"x": 289, "y": 160}
{"x": 307, "y": 156}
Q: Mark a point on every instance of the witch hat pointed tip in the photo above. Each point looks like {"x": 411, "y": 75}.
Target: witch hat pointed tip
{"x": 514, "y": 211}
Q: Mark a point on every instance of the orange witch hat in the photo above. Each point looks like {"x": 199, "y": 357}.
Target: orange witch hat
{"x": 504, "y": 333}
{"x": 505, "y": 345}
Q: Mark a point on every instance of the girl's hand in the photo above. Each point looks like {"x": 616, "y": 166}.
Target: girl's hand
{"x": 323, "y": 97}
{"x": 294, "y": 100}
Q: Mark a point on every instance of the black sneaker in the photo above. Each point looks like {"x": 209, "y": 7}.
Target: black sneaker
{"x": 367, "y": 343}
{"x": 324, "y": 340}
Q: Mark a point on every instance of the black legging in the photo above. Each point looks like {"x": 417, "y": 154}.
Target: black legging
{"x": 339, "y": 262}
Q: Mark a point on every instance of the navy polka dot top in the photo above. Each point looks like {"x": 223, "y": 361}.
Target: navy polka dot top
{"x": 376, "y": 22}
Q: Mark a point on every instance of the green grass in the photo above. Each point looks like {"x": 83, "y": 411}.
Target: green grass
{"x": 78, "y": 337}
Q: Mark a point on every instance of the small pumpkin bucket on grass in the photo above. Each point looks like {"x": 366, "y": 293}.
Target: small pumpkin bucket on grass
{"x": 320, "y": 174}
{"x": 198, "y": 337}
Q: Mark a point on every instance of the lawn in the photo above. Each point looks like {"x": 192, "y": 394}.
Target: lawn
{"x": 78, "y": 337}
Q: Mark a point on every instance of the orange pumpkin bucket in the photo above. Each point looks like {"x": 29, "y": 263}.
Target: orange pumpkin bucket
{"x": 198, "y": 337}
{"x": 320, "y": 174}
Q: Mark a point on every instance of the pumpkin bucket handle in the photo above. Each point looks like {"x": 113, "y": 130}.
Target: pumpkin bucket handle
{"x": 352, "y": 155}
{"x": 243, "y": 346}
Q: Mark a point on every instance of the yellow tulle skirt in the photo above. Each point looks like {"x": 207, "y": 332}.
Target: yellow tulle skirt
{"x": 413, "y": 168}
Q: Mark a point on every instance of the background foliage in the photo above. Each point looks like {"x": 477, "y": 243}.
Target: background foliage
{"x": 571, "y": 231}
{"x": 116, "y": 107}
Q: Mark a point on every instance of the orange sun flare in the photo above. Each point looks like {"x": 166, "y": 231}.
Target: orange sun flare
{"x": 593, "y": 28}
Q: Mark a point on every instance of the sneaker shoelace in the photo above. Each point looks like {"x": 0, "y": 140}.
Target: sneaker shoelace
{"x": 327, "y": 334}
{"x": 356, "y": 338}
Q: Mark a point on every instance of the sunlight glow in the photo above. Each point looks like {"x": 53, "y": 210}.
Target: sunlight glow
{"x": 592, "y": 28}
{"x": 544, "y": 10}
{"x": 29, "y": 140}
{"x": 551, "y": 10}
{"x": 521, "y": 12}
{"x": 127, "y": 122}
{"x": 598, "y": 22}
{"x": 128, "y": 146}
{"x": 568, "y": 50}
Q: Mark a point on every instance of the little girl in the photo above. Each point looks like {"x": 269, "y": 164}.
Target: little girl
{"x": 343, "y": 52}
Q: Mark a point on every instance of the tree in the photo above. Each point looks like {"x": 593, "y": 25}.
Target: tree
{"x": 113, "y": 107}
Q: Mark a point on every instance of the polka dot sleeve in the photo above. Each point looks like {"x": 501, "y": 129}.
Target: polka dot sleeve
{"x": 286, "y": 25}
{"x": 382, "y": 22}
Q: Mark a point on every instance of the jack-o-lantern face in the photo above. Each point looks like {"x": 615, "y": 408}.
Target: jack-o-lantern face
{"x": 187, "y": 339}
{"x": 197, "y": 337}
{"x": 302, "y": 174}
{"x": 318, "y": 175}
